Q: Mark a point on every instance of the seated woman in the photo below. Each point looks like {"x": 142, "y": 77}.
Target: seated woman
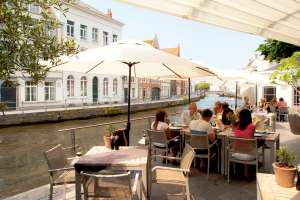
{"x": 228, "y": 118}
{"x": 160, "y": 124}
{"x": 244, "y": 127}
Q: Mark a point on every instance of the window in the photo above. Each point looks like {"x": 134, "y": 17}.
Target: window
{"x": 49, "y": 91}
{"x": 133, "y": 92}
{"x": 30, "y": 91}
{"x": 105, "y": 87}
{"x": 115, "y": 86}
{"x": 70, "y": 86}
{"x": 95, "y": 35}
{"x": 83, "y": 32}
{"x": 83, "y": 87}
{"x": 115, "y": 38}
{"x": 297, "y": 97}
{"x": 269, "y": 93}
{"x": 33, "y": 8}
{"x": 105, "y": 38}
{"x": 70, "y": 28}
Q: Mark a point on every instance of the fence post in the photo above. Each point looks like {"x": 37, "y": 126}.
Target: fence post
{"x": 73, "y": 138}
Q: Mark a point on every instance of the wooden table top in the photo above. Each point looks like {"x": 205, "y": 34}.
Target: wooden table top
{"x": 270, "y": 190}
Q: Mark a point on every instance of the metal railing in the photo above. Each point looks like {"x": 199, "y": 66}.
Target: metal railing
{"x": 72, "y": 131}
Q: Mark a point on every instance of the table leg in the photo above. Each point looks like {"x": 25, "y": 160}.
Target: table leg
{"x": 145, "y": 182}
{"x": 77, "y": 185}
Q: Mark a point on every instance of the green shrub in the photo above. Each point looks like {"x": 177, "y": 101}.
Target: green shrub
{"x": 285, "y": 157}
{"x": 111, "y": 111}
{"x": 185, "y": 100}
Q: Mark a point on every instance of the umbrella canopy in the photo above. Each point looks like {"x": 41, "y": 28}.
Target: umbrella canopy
{"x": 152, "y": 63}
{"x": 132, "y": 58}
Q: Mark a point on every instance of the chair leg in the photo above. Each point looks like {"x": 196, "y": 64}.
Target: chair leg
{"x": 228, "y": 170}
{"x": 187, "y": 189}
{"x": 154, "y": 149}
{"x": 51, "y": 191}
{"x": 208, "y": 166}
{"x": 194, "y": 162}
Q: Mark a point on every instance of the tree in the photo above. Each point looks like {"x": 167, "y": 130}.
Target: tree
{"x": 288, "y": 71}
{"x": 274, "y": 50}
{"x": 25, "y": 41}
{"x": 202, "y": 86}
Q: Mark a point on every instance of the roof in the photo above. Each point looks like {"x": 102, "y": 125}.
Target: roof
{"x": 87, "y": 8}
{"x": 277, "y": 19}
{"x": 175, "y": 51}
{"x": 258, "y": 64}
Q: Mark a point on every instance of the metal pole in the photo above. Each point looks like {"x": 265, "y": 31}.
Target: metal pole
{"x": 189, "y": 90}
{"x": 128, "y": 101}
{"x": 236, "y": 93}
{"x": 256, "y": 95}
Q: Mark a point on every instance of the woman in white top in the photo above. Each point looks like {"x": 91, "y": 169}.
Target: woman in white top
{"x": 160, "y": 121}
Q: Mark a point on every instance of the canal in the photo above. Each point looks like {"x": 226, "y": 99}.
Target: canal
{"x": 22, "y": 164}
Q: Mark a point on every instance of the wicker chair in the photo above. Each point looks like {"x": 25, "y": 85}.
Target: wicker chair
{"x": 176, "y": 176}
{"x": 294, "y": 120}
{"x": 59, "y": 167}
{"x": 199, "y": 141}
{"x": 158, "y": 141}
{"x": 110, "y": 185}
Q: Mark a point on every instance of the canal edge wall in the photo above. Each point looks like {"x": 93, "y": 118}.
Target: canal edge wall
{"x": 84, "y": 113}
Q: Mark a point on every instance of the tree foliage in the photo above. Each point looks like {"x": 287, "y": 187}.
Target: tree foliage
{"x": 288, "y": 71}
{"x": 202, "y": 86}
{"x": 26, "y": 41}
{"x": 274, "y": 50}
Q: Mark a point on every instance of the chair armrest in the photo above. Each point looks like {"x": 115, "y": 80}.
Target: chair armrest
{"x": 214, "y": 143}
{"x": 169, "y": 168}
{"x": 176, "y": 138}
{"x": 61, "y": 169}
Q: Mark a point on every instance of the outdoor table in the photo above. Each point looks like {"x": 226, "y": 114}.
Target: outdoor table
{"x": 268, "y": 189}
{"x": 127, "y": 158}
{"x": 270, "y": 140}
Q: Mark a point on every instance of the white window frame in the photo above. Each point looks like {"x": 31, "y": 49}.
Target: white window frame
{"x": 105, "y": 87}
{"x": 70, "y": 86}
{"x": 31, "y": 90}
{"x": 105, "y": 38}
{"x": 296, "y": 97}
{"x": 83, "y": 32}
{"x": 70, "y": 28}
{"x": 115, "y": 86}
{"x": 115, "y": 38}
{"x": 95, "y": 32}
{"x": 49, "y": 87}
{"x": 83, "y": 86}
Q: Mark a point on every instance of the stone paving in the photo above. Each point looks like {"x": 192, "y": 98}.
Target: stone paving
{"x": 216, "y": 188}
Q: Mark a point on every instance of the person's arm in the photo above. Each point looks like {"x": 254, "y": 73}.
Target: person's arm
{"x": 211, "y": 134}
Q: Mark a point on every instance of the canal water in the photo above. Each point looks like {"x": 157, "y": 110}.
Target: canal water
{"x": 22, "y": 164}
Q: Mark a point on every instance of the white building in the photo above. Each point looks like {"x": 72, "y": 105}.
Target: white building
{"x": 261, "y": 70}
{"x": 90, "y": 28}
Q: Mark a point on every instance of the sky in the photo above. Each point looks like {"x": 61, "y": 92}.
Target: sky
{"x": 221, "y": 49}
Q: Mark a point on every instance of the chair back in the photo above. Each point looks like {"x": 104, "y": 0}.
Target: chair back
{"x": 283, "y": 110}
{"x": 199, "y": 139}
{"x": 242, "y": 145}
{"x": 187, "y": 158}
{"x": 157, "y": 136}
{"x": 55, "y": 157}
{"x": 115, "y": 185}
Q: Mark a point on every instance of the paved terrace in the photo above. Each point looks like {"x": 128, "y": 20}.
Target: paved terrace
{"x": 216, "y": 188}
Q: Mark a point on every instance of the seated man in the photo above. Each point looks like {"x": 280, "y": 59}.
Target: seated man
{"x": 203, "y": 124}
{"x": 190, "y": 114}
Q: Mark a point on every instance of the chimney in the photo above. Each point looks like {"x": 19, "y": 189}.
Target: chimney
{"x": 109, "y": 13}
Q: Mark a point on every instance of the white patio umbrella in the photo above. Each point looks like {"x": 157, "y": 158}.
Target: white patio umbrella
{"x": 127, "y": 57}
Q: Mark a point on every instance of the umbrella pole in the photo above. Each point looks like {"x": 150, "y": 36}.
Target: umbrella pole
{"x": 236, "y": 93}
{"x": 256, "y": 95}
{"x": 128, "y": 126}
{"x": 189, "y": 90}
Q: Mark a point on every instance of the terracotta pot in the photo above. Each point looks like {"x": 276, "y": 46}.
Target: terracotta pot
{"x": 107, "y": 142}
{"x": 284, "y": 177}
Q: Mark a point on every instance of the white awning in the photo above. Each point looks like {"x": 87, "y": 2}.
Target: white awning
{"x": 277, "y": 19}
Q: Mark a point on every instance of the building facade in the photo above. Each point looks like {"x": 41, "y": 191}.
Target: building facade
{"x": 90, "y": 28}
{"x": 263, "y": 88}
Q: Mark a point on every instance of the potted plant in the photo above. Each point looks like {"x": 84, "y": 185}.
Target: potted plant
{"x": 108, "y": 136}
{"x": 284, "y": 169}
